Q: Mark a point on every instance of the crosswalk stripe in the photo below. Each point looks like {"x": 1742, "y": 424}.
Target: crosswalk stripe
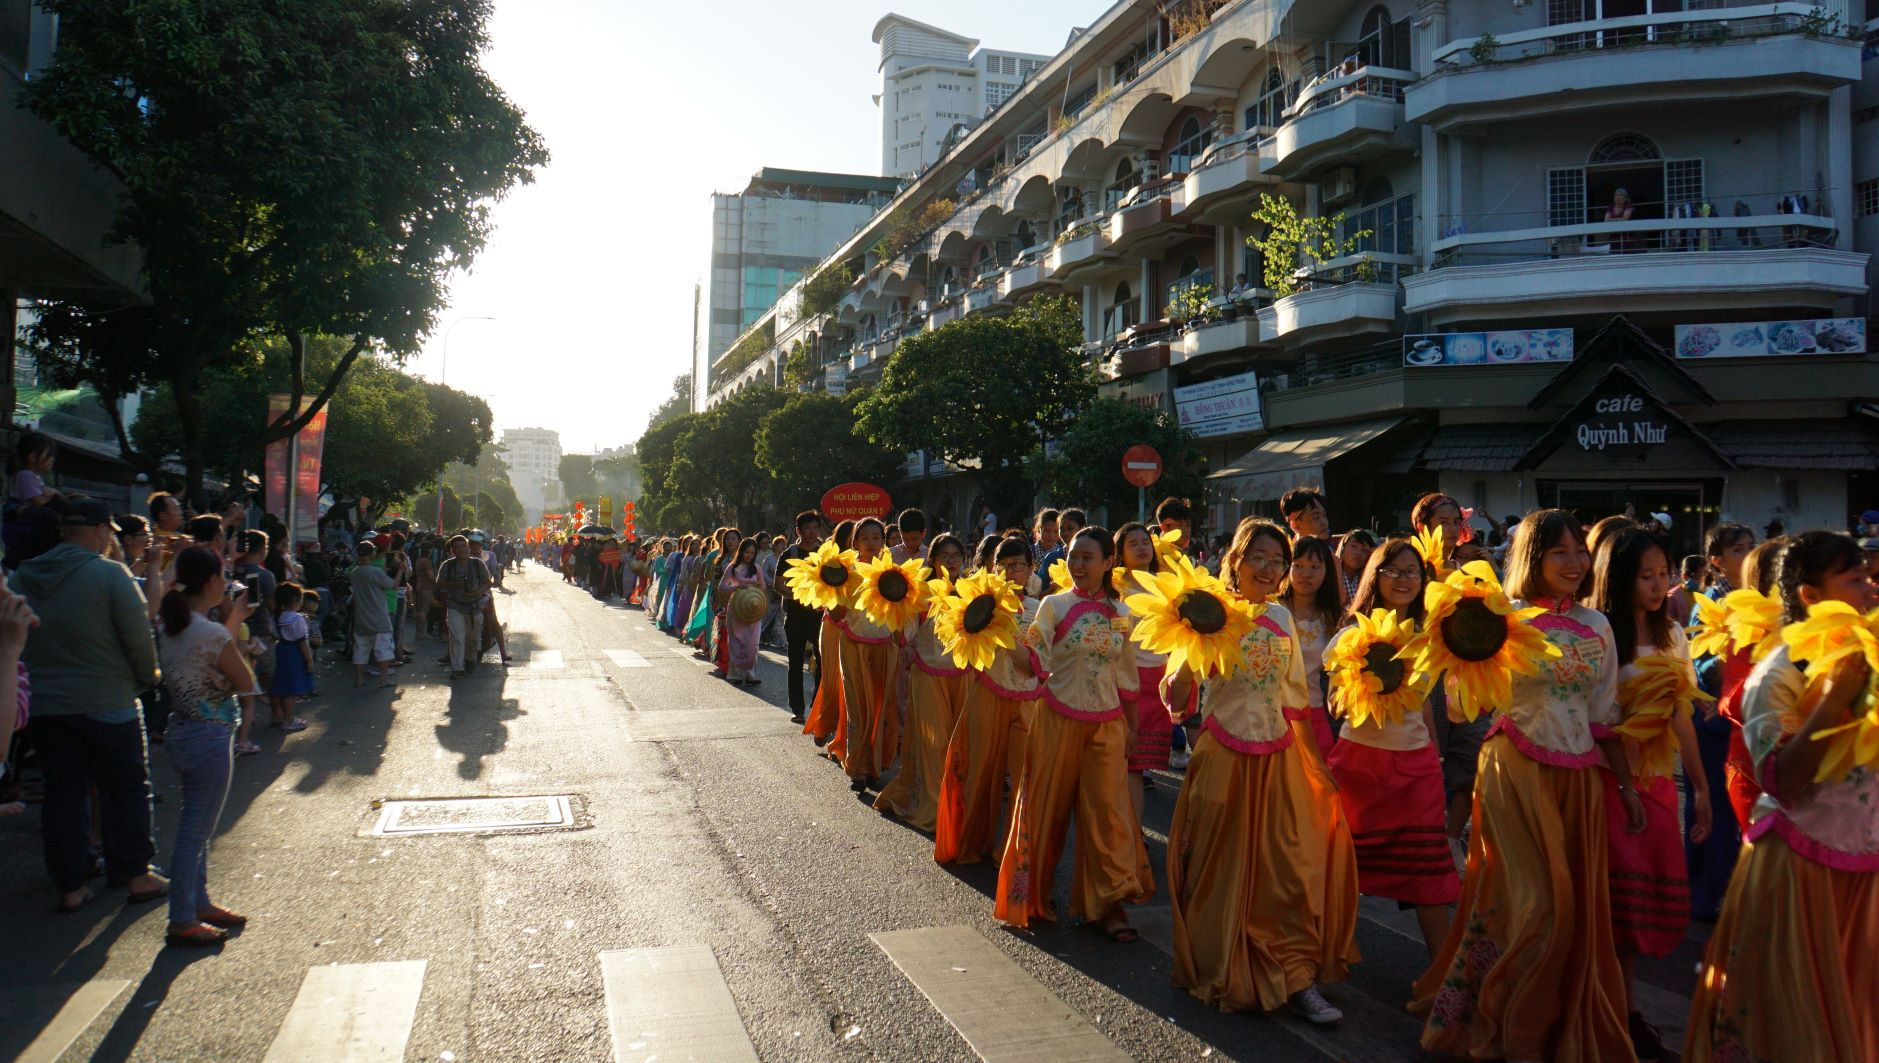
{"x": 351, "y": 1013}
{"x": 543, "y": 660}
{"x": 671, "y": 1004}
{"x": 627, "y": 659}
{"x": 1001, "y": 1011}
{"x": 85, "y": 1004}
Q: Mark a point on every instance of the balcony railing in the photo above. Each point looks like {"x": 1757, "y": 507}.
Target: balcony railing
{"x": 1121, "y": 317}
{"x": 1371, "y": 267}
{"x": 1711, "y": 26}
{"x": 1742, "y": 232}
{"x": 1374, "y": 81}
{"x": 1314, "y": 370}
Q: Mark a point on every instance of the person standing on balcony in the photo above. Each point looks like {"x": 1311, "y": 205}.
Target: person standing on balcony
{"x": 1621, "y": 210}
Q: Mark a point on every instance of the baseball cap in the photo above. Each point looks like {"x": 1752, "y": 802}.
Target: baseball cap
{"x": 87, "y": 513}
{"x": 1871, "y": 516}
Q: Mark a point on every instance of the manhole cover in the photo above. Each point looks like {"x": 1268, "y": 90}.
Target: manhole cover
{"x": 475, "y": 815}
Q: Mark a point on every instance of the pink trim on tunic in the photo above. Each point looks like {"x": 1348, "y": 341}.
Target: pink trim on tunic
{"x": 1272, "y": 625}
{"x": 933, "y": 669}
{"x": 1240, "y": 745}
{"x": 1010, "y": 695}
{"x": 1075, "y": 612}
{"x": 1063, "y": 708}
{"x": 1807, "y": 848}
{"x": 864, "y": 639}
{"x": 1534, "y": 751}
{"x": 1601, "y": 730}
{"x": 1550, "y": 621}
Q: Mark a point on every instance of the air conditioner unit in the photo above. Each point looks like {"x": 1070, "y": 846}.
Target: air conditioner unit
{"x": 1338, "y": 185}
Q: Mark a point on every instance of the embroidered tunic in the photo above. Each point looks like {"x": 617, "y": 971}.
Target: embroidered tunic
{"x": 1248, "y": 712}
{"x": 1836, "y": 824}
{"x": 1556, "y": 714}
{"x": 1081, "y": 645}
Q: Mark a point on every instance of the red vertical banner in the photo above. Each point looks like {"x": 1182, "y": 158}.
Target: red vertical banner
{"x": 274, "y": 498}
{"x": 307, "y": 478}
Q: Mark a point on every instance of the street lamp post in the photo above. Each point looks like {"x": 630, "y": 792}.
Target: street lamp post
{"x": 443, "y": 374}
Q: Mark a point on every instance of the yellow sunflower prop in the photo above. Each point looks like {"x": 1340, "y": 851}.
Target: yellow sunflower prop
{"x": 1188, "y": 614}
{"x": 1743, "y": 620}
{"x": 1060, "y": 580}
{"x": 824, "y": 579}
{"x": 1369, "y": 680}
{"x": 1474, "y": 633}
{"x": 976, "y": 620}
{"x": 1433, "y": 546}
{"x": 1168, "y": 545}
{"x": 1663, "y": 690}
{"x": 1834, "y": 632}
{"x": 892, "y": 595}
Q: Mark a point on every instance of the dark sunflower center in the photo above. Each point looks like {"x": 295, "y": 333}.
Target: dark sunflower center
{"x": 1380, "y": 661}
{"x": 1474, "y": 632}
{"x": 1203, "y": 612}
{"x": 835, "y": 575}
{"x": 893, "y": 586}
{"x": 978, "y": 614}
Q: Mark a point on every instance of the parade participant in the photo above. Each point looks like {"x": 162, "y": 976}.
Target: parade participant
{"x": 1353, "y": 552}
{"x": 1150, "y": 728}
{"x": 1535, "y": 906}
{"x": 1261, "y": 874}
{"x": 936, "y": 695}
{"x": 912, "y": 536}
{"x": 679, "y": 609}
{"x": 1076, "y": 757}
{"x": 1727, "y": 551}
{"x": 711, "y": 643}
{"x": 740, "y": 637}
{"x": 1458, "y": 740}
{"x": 1788, "y": 972}
{"x": 1650, "y": 890}
{"x": 1309, "y": 594}
{"x": 801, "y": 623}
{"x": 697, "y": 628}
{"x": 1069, "y": 522}
{"x": 988, "y": 741}
{"x": 827, "y": 720}
{"x": 1388, "y": 773}
{"x": 870, "y": 656}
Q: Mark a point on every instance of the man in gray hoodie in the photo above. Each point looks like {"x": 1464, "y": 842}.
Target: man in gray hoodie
{"x": 89, "y": 659}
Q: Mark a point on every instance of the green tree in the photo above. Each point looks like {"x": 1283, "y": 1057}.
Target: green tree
{"x": 714, "y": 461}
{"x": 473, "y": 510}
{"x": 676, "y": 405}
{"x": 810, "y": 445}
{"x": 984, "y": 392}
{"x": 1290, "y": 239}
{"x": 292, "y": 170}
{"x": 576, "y": 473}
{"x": 1087, "y": 465}
{"x": 657, "y": 448}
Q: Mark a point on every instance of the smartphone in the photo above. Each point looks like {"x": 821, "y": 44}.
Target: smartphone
{"x": 254, "y": 593}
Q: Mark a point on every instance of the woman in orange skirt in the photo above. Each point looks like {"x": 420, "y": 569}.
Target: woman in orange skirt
{"x": 1151, "y": 729}
{"x": 936, "y": 695}
{"x": 870, "y": 657}
{"x": 1075, "y": 757}
{"x": 826, "y": 722}
{"x": 1389, "y": 775}
{"x": 1650, "y": 879}
{"x": 1261, "y": 874}
{"x": 1529, "y": 970}
{"x": 988, "y": 742}
{"x": 1790, "y": 971}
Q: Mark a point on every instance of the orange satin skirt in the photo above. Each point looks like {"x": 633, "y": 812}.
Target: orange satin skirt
{"x": 934, "y": 703}
{"x": 870, "y": 713}
{"x": 825, "y": 718}
{"x": 1262, "y": 878}
{"x": 1081, "y": 765}
{"x": 987, "y": 744}
{"x": 1792, "y": 969}
{"x": 1530, "y": 969}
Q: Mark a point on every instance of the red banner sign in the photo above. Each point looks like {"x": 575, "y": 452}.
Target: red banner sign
{"x": 306, "y": 473}
{"x": 855, "y": 501}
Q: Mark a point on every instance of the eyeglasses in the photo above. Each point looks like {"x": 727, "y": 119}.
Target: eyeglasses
{"x": 1265, "y": 561}
{"x": 1400, "y": 573}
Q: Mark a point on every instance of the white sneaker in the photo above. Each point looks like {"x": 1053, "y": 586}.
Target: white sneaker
{"x": 1313, "y": 1007}
{"x": 1177, "y": 760}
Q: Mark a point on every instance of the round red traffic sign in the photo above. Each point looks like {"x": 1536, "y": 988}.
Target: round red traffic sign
{"x": 1141, "y": 465}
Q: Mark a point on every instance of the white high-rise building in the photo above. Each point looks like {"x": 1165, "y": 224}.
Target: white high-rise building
{"x": 534, "y": 456}
{"x": 936, "y": 85}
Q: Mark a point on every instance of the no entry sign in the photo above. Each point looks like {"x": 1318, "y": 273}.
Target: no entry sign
{"x": 1141, "y": 465}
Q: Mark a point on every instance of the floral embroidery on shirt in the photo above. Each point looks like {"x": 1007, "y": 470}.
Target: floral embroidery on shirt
{"x": 1266, "y": 655}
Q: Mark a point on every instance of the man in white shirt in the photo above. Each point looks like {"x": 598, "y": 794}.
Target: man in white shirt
{"x": 912, "y": 536}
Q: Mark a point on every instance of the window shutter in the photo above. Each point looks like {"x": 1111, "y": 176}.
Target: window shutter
{"x": 1565, "y": 196}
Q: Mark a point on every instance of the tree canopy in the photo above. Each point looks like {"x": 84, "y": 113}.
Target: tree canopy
{"x": 1087, "y": 464}
{"x": 315, "y": 168}
{"x": 714, "y": 460}
{"x": 576, "y": 473}
{"x": 810, "y": 445}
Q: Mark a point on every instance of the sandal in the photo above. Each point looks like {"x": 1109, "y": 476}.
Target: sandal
{"x": 293, "y": 726}
{"x": 217, "y": 916}
{"x": 157, "y": 892}
{"x": 66, "y": 907}
{"x": 246, "y": 748}
{"x": 1116, "y": 926}
{"x": 196, "y": 937}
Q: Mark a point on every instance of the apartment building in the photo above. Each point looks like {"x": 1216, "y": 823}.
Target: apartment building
{"x": 534, "y": 456}
{"x": 935, "y": 86}
{"x": 1595, "y": 254}
{"x": 765, "y": 238}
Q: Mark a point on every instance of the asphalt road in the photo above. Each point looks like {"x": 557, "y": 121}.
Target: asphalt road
{"x": 720, "y": 894}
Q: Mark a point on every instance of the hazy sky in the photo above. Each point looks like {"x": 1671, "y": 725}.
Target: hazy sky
{"x": 648, "y": 109}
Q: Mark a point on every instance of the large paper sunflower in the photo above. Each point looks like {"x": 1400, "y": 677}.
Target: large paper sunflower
{"x": 1433, "y": 545}
{"x": 1369, "y": 681}
{"x": 1059, "y": 574}
{"x": 1168, "y": 545}
{"x": 824, "y": 579}
{"x": 976, "y": 620}
{"x": 1474, "y": 633}
{"x": 1663, "y": 690}
{"x": 1833, "y": 632}
{"x": 892, "y": 595}
{"x": 1743, "y": 620}
{"x": 1188, "y": 614}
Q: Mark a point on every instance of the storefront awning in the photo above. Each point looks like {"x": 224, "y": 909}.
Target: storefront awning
{"x": 1479, "y": 447}
{"x": 1850, "y": 445}
{"x": 1297, "y": 458}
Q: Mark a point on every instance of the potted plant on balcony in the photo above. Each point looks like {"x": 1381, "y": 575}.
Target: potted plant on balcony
{"x": 1190, "y": 305}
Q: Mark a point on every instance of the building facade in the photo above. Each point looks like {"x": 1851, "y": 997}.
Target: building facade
{"x": 935, "y": 86}
{"x": 765, "y": 239}
{"x": 534, "y": 456}
{"x": 1605, "y": 257}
